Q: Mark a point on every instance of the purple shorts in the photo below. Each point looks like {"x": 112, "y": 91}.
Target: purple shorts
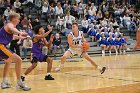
{"x": 5, "y": 52}
{"x": 39, "y": 57}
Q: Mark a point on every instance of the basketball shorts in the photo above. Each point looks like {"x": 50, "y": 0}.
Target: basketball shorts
{"x": 39, "y": 57}
{"x": 5, "y": 52}
{"x": 73, "y": 52}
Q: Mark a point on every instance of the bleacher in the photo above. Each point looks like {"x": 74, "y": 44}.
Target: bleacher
{"x": 94, "y": 48}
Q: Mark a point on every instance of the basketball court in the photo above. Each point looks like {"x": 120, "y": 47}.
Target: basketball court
{"x": 78, "y": 76}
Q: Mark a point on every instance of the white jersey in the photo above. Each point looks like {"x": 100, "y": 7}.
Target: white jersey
{"x": 76, "y": 41}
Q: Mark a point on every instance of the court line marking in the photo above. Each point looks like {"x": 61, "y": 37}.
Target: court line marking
{"x": 99, "y": 76}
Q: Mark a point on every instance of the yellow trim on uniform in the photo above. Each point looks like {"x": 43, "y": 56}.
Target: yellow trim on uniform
{"x": 5, "y": 50}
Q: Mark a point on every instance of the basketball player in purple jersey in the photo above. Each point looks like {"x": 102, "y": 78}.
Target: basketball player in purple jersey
{"x": 6, "y": 35}
{"x": 39, "y": 41}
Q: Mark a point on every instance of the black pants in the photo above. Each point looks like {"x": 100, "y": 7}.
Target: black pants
{"x": 15, "y": 47}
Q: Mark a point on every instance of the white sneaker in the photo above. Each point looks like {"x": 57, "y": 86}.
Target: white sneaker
{"x": 57, "y": 69}
{"x": 25, "y": 59}
{"x": 116, "y": 52}
{"x": 103, "y": 53}
{"x": 120, "y": 52}
{"x": 109, "y": 52}
{"x": 5, "y": 85}
{"x": 123, "y": 51}
{"x": 23, "y": 87}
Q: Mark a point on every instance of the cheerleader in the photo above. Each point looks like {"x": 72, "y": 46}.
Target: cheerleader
{"x": 116, "y": 41}
{"x": 111, "y": 43}
{"x": 103, "y": 43}
{"x": 92, "y": 33}
{"x": 111, "y": 31}
{"x": 122, "y": 44}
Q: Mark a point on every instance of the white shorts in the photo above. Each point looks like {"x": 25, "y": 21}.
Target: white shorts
{"x": 73, "y": 52}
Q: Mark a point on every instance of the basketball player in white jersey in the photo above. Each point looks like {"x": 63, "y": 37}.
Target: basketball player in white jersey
{"x": 75, "y": 39}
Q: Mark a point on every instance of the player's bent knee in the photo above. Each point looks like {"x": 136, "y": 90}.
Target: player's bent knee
{"x": 63, "y": 57}
{"x": 49, "y": 60}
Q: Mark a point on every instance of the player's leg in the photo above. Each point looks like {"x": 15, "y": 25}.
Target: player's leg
{"x": 63, "y": 59}
{"x": 49, "y": 67}
{"x": 5, "y": 83}
{"x": 28, "y": 70}
{"x": 88, "y": 58}
{"x": 18, "y": 61}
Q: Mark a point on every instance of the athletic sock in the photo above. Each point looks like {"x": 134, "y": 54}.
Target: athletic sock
{"x": 5, "y": 80}
{"x": 99, "y": 68}
{"x": 48, "y": 74}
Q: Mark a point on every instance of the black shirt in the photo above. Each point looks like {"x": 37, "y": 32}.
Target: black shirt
{"x": 57, "y": 42}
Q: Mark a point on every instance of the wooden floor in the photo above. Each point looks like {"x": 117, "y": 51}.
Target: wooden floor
{"x": 122, "y": 76}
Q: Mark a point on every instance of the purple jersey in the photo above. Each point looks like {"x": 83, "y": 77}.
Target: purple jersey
{"x": 37, "y": 46}
{"x": 37, "y": 51}
{"x": 5, "y": 37}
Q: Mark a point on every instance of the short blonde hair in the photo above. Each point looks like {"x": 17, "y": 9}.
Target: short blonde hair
{"x": 13, "y": 15}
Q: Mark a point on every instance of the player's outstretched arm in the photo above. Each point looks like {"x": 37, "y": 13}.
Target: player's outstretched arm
{"x": 43, "y": 36}
{"x": 49, "y": 45}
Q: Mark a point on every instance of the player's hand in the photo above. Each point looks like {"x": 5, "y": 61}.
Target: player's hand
{"x": 21, "y": 37}
{"x": 24, "y": 34}
{"x": 51, "y": 38}
{"x": 19, "y": 42}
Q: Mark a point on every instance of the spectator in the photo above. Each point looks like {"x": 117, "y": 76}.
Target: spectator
{"x": 17, "y": 5}
{"x": 30, "y": 2}
{"x": 60, "y": 22}
{"x": 80, "y": 9}
{"x": 25, "y": 22}
{"x": 57, "y": 44}
{"x": 66, "y": 8}
{"x": 50, "y": 14}
{"x": 99, "y": 15}
{"x": 13, "y": 9}
{"x": 68, "y": 20}
{"x": 2, "y": 21}
{"x": 104, "y": 22}
{"x": 58, "y": 9}
{"x": 74, "y": 12}
{"x": 2, "y": 6}
{"x": 6, "y": 13}
{"x": 84, "y": 24}
{"x": 29, "y": 31}
{"x": 27, "y": 45}
{"x": 8, "y": 4}
{"x": 36, "y": 22}
{"x": 14, "y": 45}
{"x": 45, "y": 8}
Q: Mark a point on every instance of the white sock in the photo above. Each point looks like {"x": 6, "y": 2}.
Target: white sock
{"x": 19, "y": 82}
{"x": 48, "y": 74}
{"x": 61, "y": 65}
{"x": 23, "y": 75}
{"x": 99, "y": 68}
{"x": 5, "y": 80}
